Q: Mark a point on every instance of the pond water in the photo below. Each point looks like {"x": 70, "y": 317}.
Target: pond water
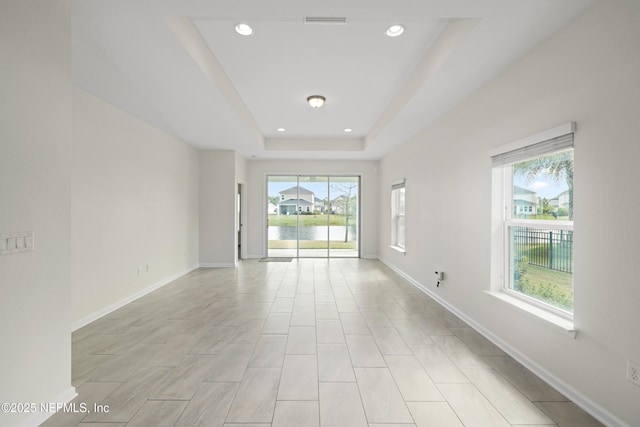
{"x": 333, "y": 232}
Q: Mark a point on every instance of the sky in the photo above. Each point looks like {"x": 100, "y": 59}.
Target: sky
{"x": 318, "y": 188}
{"x": 544, "y": 185}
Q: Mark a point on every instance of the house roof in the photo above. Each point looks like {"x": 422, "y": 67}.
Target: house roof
{"x": 295, "y": 202}
{"x": 522, "y": 190}
{"x": 523, "y": 202}
{"x": 301, "y": 190}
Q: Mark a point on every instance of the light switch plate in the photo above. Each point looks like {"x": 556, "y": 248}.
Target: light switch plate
{"x": 15, "y": 243}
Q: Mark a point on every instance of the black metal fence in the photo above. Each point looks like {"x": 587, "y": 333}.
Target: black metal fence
{"x": 547, "y": 248}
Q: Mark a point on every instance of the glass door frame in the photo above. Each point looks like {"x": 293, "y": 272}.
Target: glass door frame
{"x": 296, "y": 180}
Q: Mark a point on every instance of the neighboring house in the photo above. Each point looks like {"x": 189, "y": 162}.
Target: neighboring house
{"x": 321, "y": 205}
{"x": 296, "y": 198}
{"x": 525, "y": 201}
{"x": 561, "y": 200}
{"x": 272, "y": 209}
{"x": 338, "y": 204}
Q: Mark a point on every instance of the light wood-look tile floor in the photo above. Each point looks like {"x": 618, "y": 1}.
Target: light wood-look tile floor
{"x": 314, "y": 342}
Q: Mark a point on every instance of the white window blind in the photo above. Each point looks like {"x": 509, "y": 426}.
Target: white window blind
{"x": 532, "y": 151}
{"x": 397, "y": 184}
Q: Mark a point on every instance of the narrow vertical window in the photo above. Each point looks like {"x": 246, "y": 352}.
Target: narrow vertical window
{"x": 398, "y": 215}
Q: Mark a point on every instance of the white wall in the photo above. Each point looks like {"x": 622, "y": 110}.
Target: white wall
{"x": 35, "y": 163}
{"x": 257, "y": 170}
{"x": 134, "y": 202}
{"x": 588, "y": 73}
{"x": 217, "y": 208}
{"x": 241, "y": 168}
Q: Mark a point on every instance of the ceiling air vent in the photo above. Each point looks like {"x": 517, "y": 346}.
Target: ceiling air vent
{"x": 325, "y": 20}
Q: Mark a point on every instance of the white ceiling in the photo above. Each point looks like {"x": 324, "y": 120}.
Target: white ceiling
{"x": 180, "y": 66}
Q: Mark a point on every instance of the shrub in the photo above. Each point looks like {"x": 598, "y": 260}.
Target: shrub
{"x": 520, "y": 272}
{"x": 549, "y": 293}
{"x": 546, "y": 292}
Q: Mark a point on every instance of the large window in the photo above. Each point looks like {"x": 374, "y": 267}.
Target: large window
{"x": 398, "y": 215}
{"x": 536, "y": 186}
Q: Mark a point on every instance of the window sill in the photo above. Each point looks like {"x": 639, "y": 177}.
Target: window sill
{"x": 398, "y": 249}
{"x": 556, "y": 322}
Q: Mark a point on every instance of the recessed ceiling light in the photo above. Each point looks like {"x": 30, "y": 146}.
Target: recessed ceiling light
{"x": 316, "y": 101}
{"x": 347, "y": 130}
{"x": 395, "y": 30}
{"x": 244, "y": 29}
{"x": 281, "y": 129}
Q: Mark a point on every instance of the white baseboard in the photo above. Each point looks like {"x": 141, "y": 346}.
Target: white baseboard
{"x": 588, "y": 405}
{"x": 103, "y": 312}
{"x": 369, "y": 256}
{"x": 217, "y": 265}
{"x": 39, "y": 417}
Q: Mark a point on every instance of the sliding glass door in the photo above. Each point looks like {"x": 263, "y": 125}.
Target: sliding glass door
{"x": 344, "y": 216}
{"x": 313, "y": 216}
{"x": 313, "y": 220}
{"x": 282, "y": 218}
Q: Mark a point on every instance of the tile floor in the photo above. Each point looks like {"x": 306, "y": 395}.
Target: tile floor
{"x": 314, "y": 342}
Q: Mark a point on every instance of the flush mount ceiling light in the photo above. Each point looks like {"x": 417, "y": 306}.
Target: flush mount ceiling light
{"x": 244, "y": 29}
{"x": 348, "y": 130}
{"x": 395, "y": 30}
{"x": 281, "y": 129}
{"x": 316, "y": 101}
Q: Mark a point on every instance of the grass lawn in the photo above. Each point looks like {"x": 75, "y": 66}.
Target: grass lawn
{"x": 543, "y": 275}
{"x": 543, "y": 216}
{"x": 307, "y": 220}
{"x": 310, "y": 244}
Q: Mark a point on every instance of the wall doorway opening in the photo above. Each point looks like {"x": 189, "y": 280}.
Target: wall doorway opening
{"x": 313, "y": 216}
{"x": 239, "y": 220}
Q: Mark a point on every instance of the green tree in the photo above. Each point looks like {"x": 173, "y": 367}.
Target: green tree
{"x": 346, "y": 201}
{"x": 558, "y": 166}
{"x": 546, "y": 207}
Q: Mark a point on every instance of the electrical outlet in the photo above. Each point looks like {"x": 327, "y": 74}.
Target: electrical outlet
{"x": 439, "y": 278}
{"x": 633, "y": 372}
